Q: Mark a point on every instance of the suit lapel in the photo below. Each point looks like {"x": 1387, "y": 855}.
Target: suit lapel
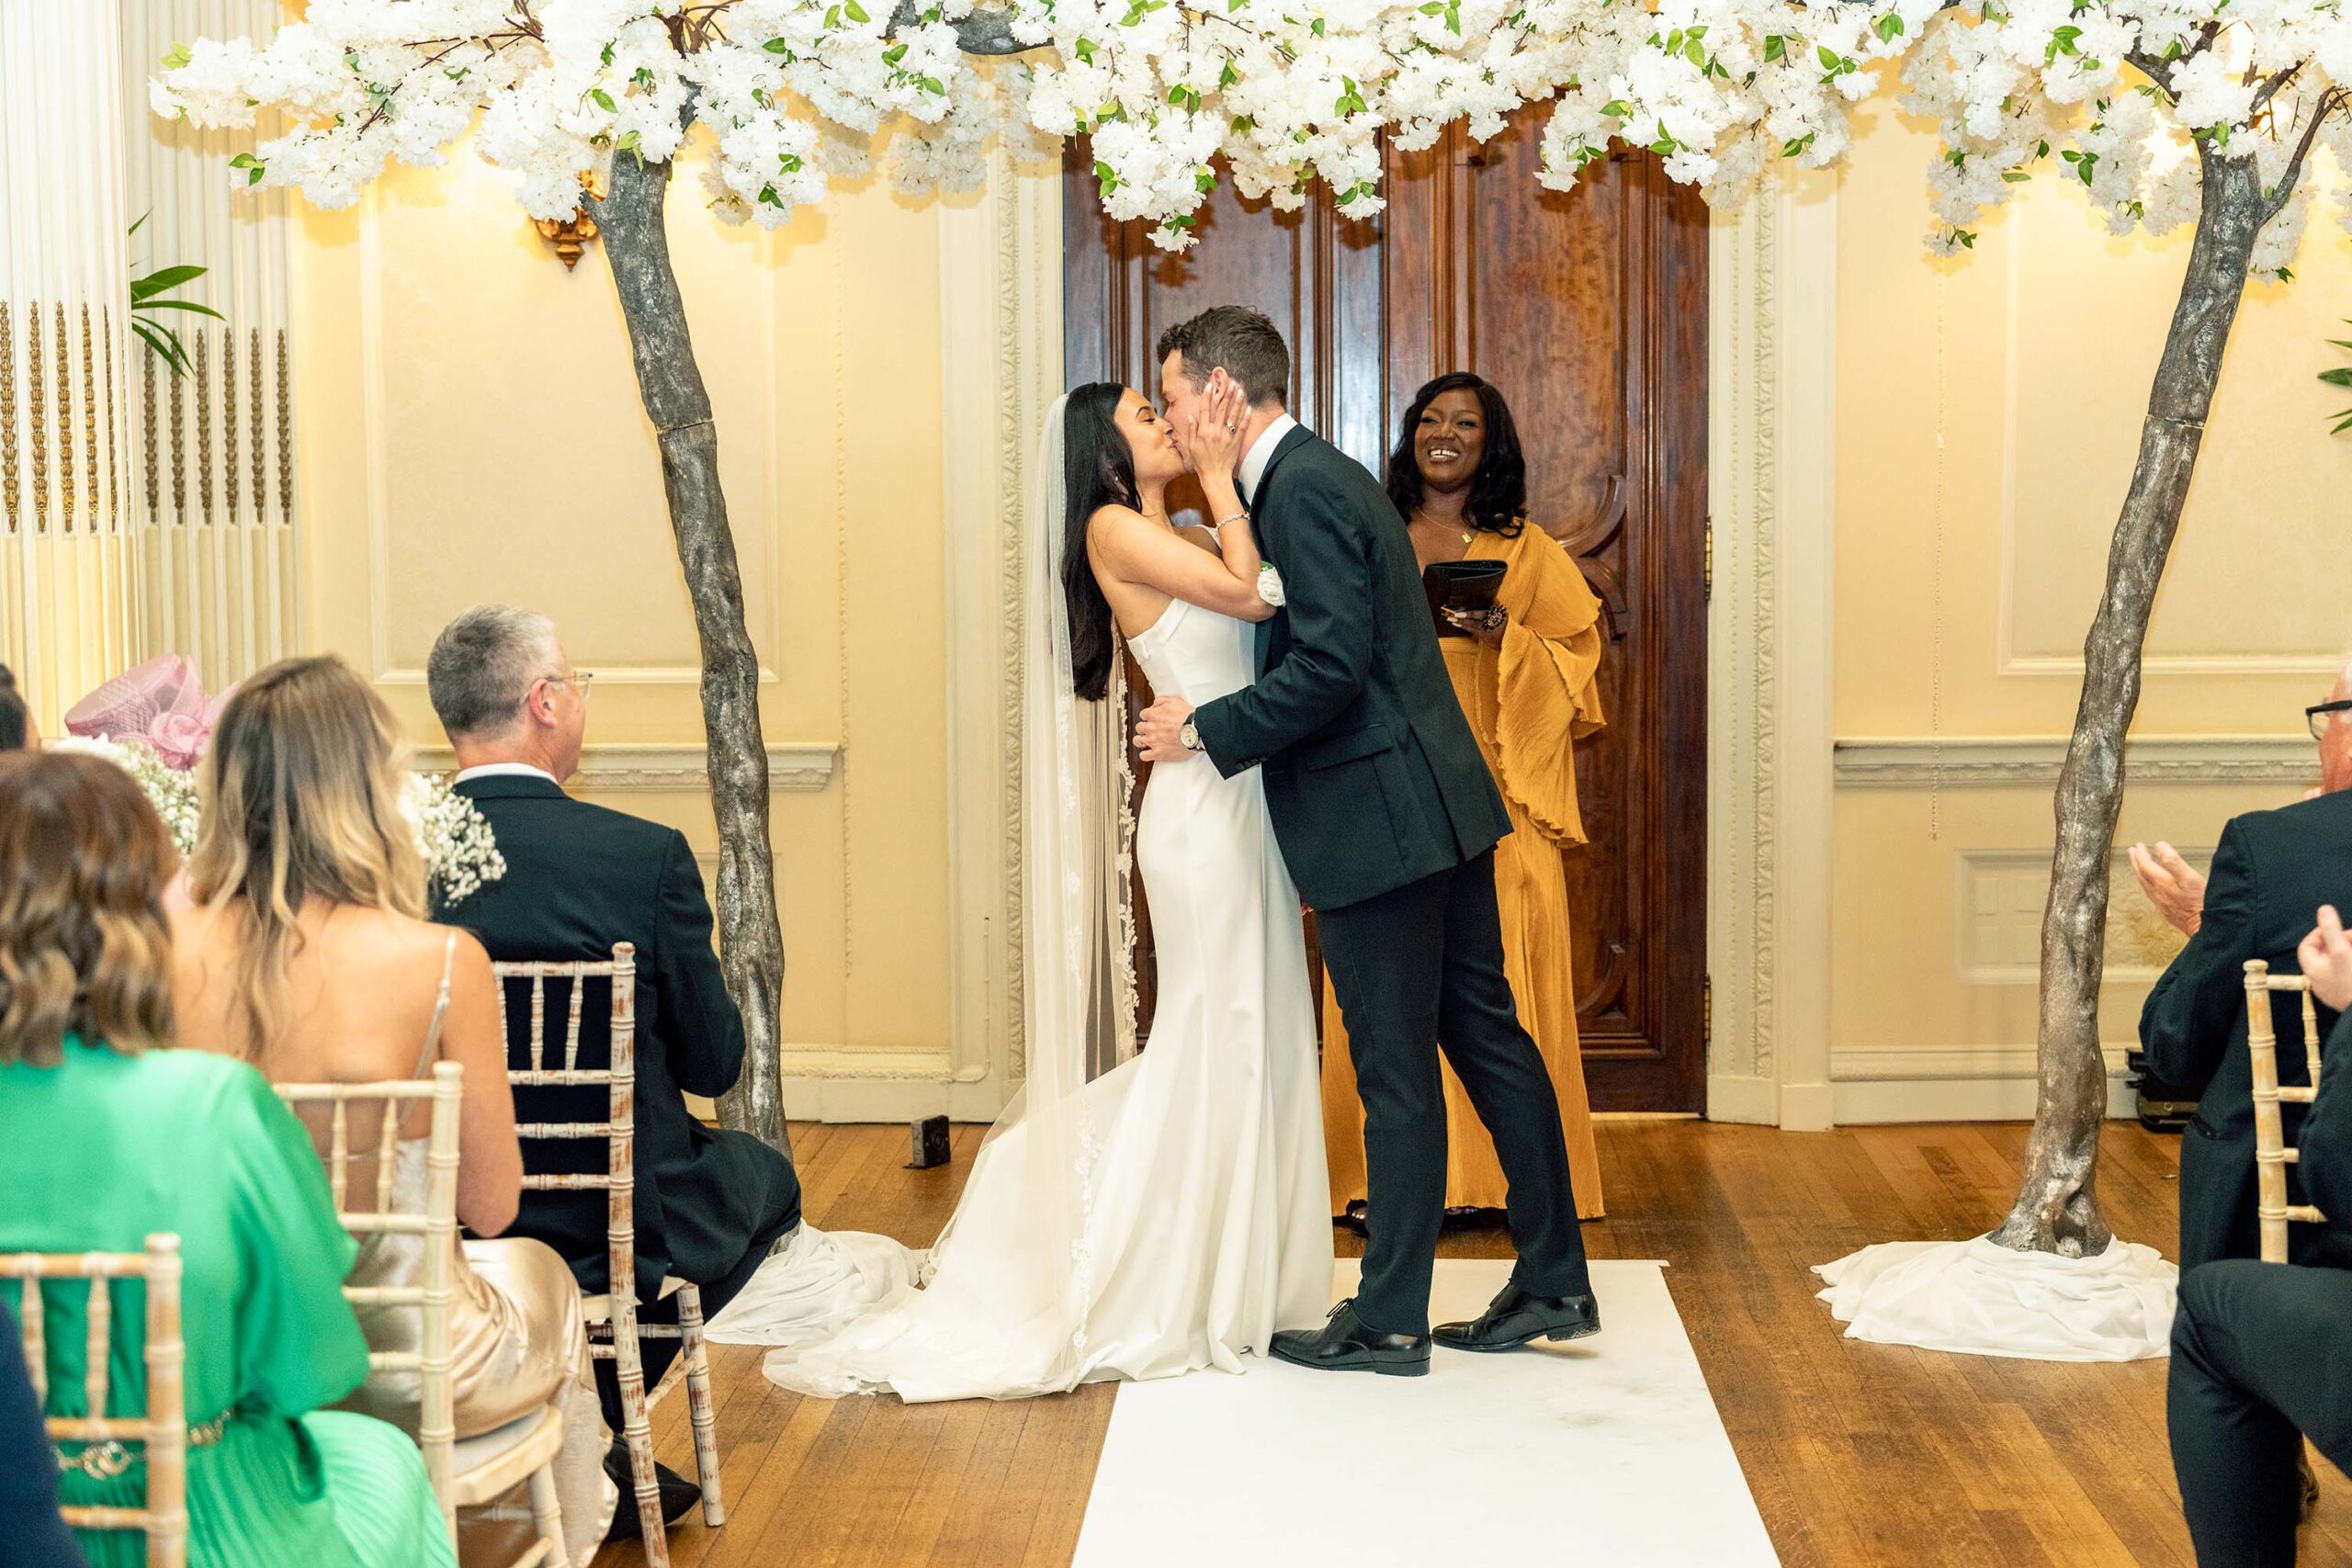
{"x": 1264, "y": 517}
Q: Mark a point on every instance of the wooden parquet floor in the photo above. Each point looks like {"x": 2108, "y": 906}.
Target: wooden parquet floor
{"x": 1857, "y": 1454}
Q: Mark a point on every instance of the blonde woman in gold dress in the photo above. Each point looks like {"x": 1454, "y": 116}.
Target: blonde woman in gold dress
{"x": 306, "y": 954}
{"x": 1528, "y": 683}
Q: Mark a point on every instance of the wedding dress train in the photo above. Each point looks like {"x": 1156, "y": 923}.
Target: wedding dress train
{"x": 1201, "y": 1220}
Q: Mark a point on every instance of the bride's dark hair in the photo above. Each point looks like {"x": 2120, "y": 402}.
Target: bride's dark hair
{"x": 1098, "y": 471}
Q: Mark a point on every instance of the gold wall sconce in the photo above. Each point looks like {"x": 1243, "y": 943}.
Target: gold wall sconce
{"x": 569, "y": 237}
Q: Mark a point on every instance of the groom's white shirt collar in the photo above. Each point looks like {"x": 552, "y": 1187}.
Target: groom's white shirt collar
{"x": 505, "y": 769}
{"x": 1260, "y": 453}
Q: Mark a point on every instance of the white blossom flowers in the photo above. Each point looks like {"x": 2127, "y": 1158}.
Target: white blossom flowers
{"x": 171, "y": 791}
{"x": 460, "y": 851}
{"x": 1172, "y": 95}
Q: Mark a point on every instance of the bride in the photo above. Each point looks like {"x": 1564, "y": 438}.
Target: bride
{"x": 1172, "y": 1212}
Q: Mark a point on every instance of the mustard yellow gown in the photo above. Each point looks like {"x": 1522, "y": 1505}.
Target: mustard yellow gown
{"x": 1528, "y": 703}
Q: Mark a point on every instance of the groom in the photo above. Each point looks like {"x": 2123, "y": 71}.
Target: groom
{"x": 1388, "y": 820}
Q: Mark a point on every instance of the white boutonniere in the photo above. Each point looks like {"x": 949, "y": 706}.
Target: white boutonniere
{"x": 1270, "y": 584}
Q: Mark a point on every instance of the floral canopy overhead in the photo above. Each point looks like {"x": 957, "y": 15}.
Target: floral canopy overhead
{"x": 1284, "y": 92}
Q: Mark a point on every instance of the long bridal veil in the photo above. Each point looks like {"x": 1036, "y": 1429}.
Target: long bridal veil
{"x": 999, "y": 1305}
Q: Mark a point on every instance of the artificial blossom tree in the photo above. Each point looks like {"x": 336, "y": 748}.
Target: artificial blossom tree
{"x": 2162, "y": 112}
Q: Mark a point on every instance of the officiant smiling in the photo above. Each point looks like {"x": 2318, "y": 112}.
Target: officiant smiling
{"x": 1526, "y": 674}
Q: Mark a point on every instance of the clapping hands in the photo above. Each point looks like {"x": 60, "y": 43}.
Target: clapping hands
{"x": 2172, "y": 885}
{"x": 2325, "y": 957}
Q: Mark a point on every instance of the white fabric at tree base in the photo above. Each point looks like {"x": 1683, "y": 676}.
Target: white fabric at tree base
{"x": 1606, "y": 1450}
{"x": 1983, "y": 1299}
{"x": 824, "y": 1278}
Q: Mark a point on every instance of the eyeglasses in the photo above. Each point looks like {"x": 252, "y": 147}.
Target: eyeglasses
{"x": 2319, "y": 715}
{"x": 578, "y": 681}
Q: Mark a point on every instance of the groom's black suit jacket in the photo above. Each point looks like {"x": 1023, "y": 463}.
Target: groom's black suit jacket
{"x": 1371, "y": 776}
{"x": 580, "y": 878}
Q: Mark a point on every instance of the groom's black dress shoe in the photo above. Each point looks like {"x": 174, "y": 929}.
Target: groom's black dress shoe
{"x": 1515, "y": 1317}
{"x": 1348, "y": 1344}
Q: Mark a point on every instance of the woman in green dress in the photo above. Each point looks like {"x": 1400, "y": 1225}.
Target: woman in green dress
{"x": 104, "y": 1139}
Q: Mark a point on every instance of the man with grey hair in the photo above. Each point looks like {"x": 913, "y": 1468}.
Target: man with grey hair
{"x": 2271, "y": 872}
{"x": 709, "y": 1202}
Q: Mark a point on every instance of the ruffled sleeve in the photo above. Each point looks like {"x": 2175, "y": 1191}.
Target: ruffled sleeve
{"x": 1547, "y": 692}
{"x": 300, "y": 1347}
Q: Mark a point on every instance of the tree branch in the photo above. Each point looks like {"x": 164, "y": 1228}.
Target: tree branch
{"x": 2329, "y": 102}
{"x": 982, "y": 32}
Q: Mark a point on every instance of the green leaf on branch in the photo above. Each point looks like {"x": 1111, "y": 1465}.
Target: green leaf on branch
{"x": 604, "y": 100}
{"x": 1776, "y": 49}
{"x": 857, "y": 12}
{"x": 156, "y": 282}
{"x": 776, "y": 46}
{"x": 2015, "y": 176}
{"x": 254, "y": 168}
{"x": 1889, "y": 27}
{"x": 174, "y": 57}
{"x": 1225, "y": 77}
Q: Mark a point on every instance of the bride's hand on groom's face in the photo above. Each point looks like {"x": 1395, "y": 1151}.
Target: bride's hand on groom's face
{"x": 1213, "y": 437}
{"x": 1160, "y": 731}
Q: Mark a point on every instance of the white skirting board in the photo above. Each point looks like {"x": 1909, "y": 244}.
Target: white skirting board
{"x": 1605, "y": 1451}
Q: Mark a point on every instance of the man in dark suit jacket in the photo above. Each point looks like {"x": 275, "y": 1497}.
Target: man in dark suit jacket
{"x": 2262, "y": 1352}
{"x": 2270, "y": 870}
{"x": 579, "y": 878}
{"x": 1388, "y": 820}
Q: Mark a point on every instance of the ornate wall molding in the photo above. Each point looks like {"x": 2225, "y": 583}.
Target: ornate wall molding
{"x": 2001, "y": 763}
{"x": 802, "y": 767}
{"x": 1001, "y": 360}
{"x": 1771, "y": 401}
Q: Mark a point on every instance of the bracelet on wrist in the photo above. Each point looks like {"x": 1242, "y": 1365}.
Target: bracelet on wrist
{"x": 1237, "y": 517}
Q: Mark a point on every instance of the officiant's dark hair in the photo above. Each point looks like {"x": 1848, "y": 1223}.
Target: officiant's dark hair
{"x": 1098, "y": 471}
{"x": 1498, "y": 490}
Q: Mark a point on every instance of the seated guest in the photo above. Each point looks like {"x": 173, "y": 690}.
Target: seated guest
{"x": 1527, "y": 678}
{"x": 307, "y": 955}
{"x": 2270, "y": 870}
{"x": 105, "y": 1139}
{"x": 2262, "y": 1352}
{"x": 15, "y": 716}
{"x": 580, "y": 878}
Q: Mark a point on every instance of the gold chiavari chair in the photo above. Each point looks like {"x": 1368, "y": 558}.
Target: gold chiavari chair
{"x": 162, "y": 1432}
{"x": 2271, "y": 1155}
{"x": 482, "y": 1468}
{"x": 613, "y": 1331}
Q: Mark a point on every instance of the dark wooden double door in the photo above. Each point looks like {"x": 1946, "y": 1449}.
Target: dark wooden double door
{"x": 1588, "y": 308}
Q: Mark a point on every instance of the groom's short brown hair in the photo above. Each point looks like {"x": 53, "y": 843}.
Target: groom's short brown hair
{"x": 1237, "y": 340}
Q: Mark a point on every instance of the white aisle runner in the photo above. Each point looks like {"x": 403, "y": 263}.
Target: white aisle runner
{"x": 1605, "y": 1451}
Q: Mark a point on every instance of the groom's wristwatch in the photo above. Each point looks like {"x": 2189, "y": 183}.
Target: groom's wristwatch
{"x": 1188, "y": 736}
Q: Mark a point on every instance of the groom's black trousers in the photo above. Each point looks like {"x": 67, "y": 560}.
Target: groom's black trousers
{"x": 2261, "y": 1358}
{"x": 1412, "y": 970}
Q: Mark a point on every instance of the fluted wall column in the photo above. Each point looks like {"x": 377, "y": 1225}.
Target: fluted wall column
{"x": 69, "y": 589}
{"x": 213, "y": 449}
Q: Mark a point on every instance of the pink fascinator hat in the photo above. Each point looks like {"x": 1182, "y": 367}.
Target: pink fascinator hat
{"x": 162, "y": 703}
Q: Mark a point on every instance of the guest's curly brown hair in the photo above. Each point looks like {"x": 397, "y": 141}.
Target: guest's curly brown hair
{"x": 85, "y": 949}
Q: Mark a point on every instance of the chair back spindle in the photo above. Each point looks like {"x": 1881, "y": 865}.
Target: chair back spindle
{"x": 435, "y": 1221}
{"x": 163, "y": 1430}
{"x": 2271, "y": 1155}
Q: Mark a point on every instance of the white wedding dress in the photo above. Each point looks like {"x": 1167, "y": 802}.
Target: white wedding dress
{"x": 1173, "y": 1213}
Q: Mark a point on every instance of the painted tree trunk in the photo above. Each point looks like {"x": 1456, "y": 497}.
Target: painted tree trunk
{"x": 629, "y": 218}
{"x": 2057, "y": 1205}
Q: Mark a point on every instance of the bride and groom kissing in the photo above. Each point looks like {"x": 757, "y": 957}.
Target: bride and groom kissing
{"x": 1173, "y": 1213}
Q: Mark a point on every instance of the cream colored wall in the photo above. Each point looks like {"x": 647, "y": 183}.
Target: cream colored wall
{"x": 471, "y": 431}
{"x": 2031, "y": 356}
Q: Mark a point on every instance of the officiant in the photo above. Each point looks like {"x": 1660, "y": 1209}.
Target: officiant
{"x": 1525, "y": 672}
